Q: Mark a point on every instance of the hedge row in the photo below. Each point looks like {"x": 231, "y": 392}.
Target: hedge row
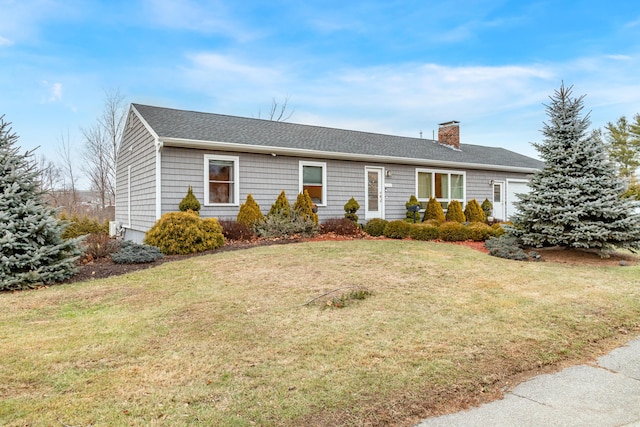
{"x": 450, "y": 231}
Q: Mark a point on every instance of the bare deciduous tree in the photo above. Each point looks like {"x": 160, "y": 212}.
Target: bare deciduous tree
{"x": 278, "y": 111}
{"x": 68, "y": 170}
{"x": 102, "y": 141}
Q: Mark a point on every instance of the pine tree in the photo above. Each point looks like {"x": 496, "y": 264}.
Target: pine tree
{"x": 575, "y": 198}
{"x": 623, "y": 145}
{"x": 32, "y": 251}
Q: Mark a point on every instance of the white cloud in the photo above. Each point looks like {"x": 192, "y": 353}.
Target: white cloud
{"x": 5, "y": 41}
{"x": 54, "y": 91}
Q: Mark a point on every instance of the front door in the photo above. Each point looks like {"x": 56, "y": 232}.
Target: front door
{"x": 498, "y": 201}
{"x": 374, "y": 204}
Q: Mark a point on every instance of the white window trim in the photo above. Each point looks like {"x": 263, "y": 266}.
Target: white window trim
{"x": 322, "y": 165}
{"x": 236, "y": 179}
{"x": 448, "y": 172}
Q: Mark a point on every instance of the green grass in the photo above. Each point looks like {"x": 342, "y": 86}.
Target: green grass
{"x": 227, "y": 339}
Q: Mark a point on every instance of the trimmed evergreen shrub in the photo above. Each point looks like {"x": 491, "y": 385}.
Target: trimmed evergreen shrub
{"x": 434, "y": 211}
{"x": 479, "y": 231}
{"x": 184, "y": 233}
{"x": 233, "y": 230}
{"x": 507, "y": 247}
{"x": 424, "y": 232}
{"x": 454, "y": 212}
{"x": 375, "y": 227}
{"x": 487, "y": 208}
{"x": 134, "y": 253}
{"x": 249, "y": 213}
{"x": 282, "y": 226}
{"x": 473, "y": 212}
{"x": 410, "y": 215}
{"x": 99, "y": 245}
{"x": 497, "y": 230}
{"x": 80, "y": 226}
{"x": 453, "y": 231}
{"x": 304, "y": 207}
{"x": 397, "y": 229}
{"x": 633, "y": 192}
{"x": 190, "y": 202}
{"x": 281, "y": 207}
{"x": 350, "y": 208}
{"x": 340, "y": 226}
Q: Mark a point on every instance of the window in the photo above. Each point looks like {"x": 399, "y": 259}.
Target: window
{"x": 313, "y": 178}
{"x": 444, "y": 186}
{"x": 221, "y": 180}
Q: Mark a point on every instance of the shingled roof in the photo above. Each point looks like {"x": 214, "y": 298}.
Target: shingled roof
{"x": 190, "y": 128}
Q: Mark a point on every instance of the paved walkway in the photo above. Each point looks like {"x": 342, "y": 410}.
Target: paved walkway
{"x": 605, "y": 394}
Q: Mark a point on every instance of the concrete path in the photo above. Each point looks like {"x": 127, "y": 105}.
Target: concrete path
{"x": 605, "y": 394}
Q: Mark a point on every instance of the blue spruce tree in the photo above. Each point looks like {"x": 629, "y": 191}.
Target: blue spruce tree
{"x": 32, "y": 251}
{"x": 575, "y": 200}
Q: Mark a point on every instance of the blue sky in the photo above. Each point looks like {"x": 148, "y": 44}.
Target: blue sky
{"x": 397, "y": 67}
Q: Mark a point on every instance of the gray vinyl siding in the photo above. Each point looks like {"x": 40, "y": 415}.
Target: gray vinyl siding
{"x": 138, "y": 151}
{"x": 478, "y": 183}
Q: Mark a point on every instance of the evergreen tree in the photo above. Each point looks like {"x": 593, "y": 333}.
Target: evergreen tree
{"x": 434, "y": 211}
{"x": 189, "y": 202}
{"x": 304, "y": 207}
{"x": 623, "y": 145}
{"x": 575, "y": 199}
{"x": 281, "y": 206}
{"x": 32, "y": 250}
{"x": 250, "y": 213}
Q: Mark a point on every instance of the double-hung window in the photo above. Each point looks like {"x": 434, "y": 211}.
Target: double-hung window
{"x": 444, "y": 186}
{"x": 221, "y": 180}
{"x": 313, "y": 178}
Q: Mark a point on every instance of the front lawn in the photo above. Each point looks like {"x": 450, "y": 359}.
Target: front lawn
{"x": 229, "y": 339}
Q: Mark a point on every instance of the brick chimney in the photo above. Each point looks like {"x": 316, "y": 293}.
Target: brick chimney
{"x": 449, "y": 134}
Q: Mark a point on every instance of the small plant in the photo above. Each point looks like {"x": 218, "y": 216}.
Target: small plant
{"x": 233, "y": 230}
{"x": 340, "y": 226}
{"x": 375, "y": 227}
{"x": 454, "y": 212}
{"x": 275, "y": 226}
{"x": 347, "y": 298}
{"x": 80, "y": 226}
{"x": 479, "y": 231}
{"x": 350, "y": 209}
{"x": 249, "y": 214}
{"x": 506, "y": 246}
{"x": 190, "y": 202}
{"x": 424, "y": 232}
{"x": 281, "y": 206}
{"x": 487, "y": 208}
{"x": 453, "y": 231}
{"x": 434, "y": 211}
{"x": 412, "y": 216}
{"x": 134, "y": 253}
{"x": 184, "y": 233}
{"x": 473, "y": 212}
{"x": 397, "y": 229}
{"x": 304, "y": 207}
{"x": 98, "y": 245}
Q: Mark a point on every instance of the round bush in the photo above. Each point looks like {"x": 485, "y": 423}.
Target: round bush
{"x": 479, "y": 231}
{"x": 424, "y": 232}
{"x": 184, "y": 233}
{"x": 453, "y": 231}
{"x": 350, "y": 209}
{"x": 497, "y": 230}
{"x": 398, "y": 229}
{"x": 375, "y": 227}
{"x": 133, "y": 253}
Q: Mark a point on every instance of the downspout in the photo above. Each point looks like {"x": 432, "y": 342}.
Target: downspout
{"x": 158, "y": 145}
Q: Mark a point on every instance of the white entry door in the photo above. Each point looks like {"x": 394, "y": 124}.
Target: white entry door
{"x": 374, "y": 192}
{"x": 499, "y": 211}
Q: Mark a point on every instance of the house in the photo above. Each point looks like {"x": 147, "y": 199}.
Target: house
{"x": 224, "y": 158}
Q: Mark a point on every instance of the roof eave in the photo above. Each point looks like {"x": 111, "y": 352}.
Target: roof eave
{"x": 300, "y": 152}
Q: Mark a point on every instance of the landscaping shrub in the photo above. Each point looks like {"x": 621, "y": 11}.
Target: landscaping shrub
{"x": 487, "y": 208}
{"x": 505, "y": 246}
{"x": 184, "y": 233}
{"x": 453, "y": 231}
{"x": 80, "y": 226}
{"x": 434, "y": 211}
{"x": 281, "y": 206}
{"x": 375, "y": 227}
{"x": 99, "y": 245}
{"x": 397, "y": 229}
{"x": 454, "y": 212}
{"x": 497, "y": 230}
{"x": 249, "y": 213}
{"x": 350, "y": 209}
{"x": 284, "y": 226}
{"x": 134, "y": 253}
{"x": 340, "y": 226}
{"x": 233, "y": 230}
{"x": 410, "y": 215}
{"x": 190, "y": 202}
{"x": 473, "y": 212}
{"x": 304, "y": 207}
{"x": 479, "y": 231}
{"x": 424, "y": 232}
